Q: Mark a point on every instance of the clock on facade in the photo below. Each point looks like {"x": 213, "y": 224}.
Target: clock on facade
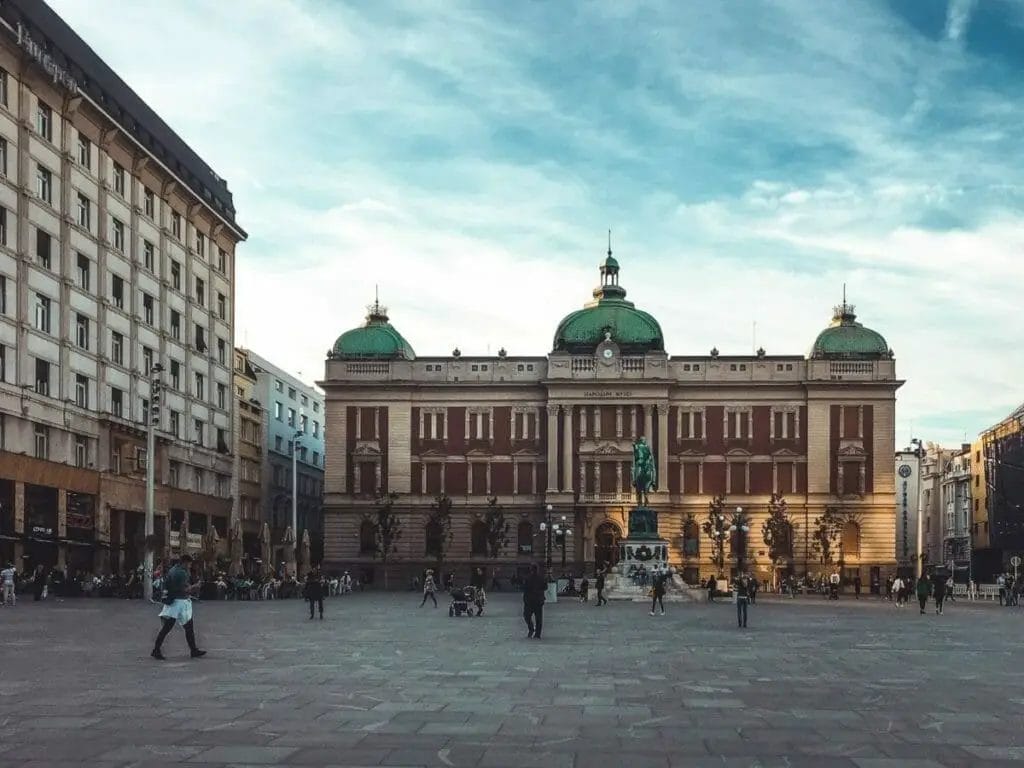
{"x": 905, "y": 470}
{"x": 607, "y": 354}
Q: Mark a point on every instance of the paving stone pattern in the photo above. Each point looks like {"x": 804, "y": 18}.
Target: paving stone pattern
{"x": 382, "y": 682}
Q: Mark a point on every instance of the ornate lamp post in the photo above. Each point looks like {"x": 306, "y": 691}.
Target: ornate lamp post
{"x": 740, "y": 525}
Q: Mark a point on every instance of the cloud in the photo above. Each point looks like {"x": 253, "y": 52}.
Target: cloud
{"x": 468, "y": 159}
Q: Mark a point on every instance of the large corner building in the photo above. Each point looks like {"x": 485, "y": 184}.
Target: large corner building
{"x": 556, "y": 429}
{"x": 117, "y": 248}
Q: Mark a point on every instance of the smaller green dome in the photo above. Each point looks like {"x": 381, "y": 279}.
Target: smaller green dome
{"x": 377, "y": 340}
{"x": 846, "y": 339}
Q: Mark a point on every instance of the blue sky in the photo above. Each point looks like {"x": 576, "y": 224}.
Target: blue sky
{"x": 749, "y": 157}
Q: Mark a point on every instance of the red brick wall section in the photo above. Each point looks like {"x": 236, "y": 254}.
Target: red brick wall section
{"x": 784, "y": 469}
{"x": 608, "y": 476}
{"x": 350, "y": 445}
{"x": 762, "y": 430}
{"x": 673, "y": 421}
{"x": 715, "y": 441}
{"x": 456, "y": 478}
{"x": 434, "y": 478}
{"x": 525, "y": 473}
{"x": 714, "y": 478}
{"x": 542, "y": 476}
{"x": 673, "y": 473}
{"x": 456, "y": 432}
{"x": 502, "y": 427}
{"x": 479, "y": 478}
{"x": 501, "y": 478}
{"x": 414, "y": 430}
{"x": 737, "y": 477}
{"x": 869, "y": 448}
{"x": 801, "y": 478}
{"x": 416, "y": 484}
{"x": 850, "y": 421}
{"x": 760, "y": 478}
{"x": 691, "y": 477}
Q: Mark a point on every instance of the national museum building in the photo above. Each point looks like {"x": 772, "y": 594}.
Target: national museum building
{"x": 557, "y": 429}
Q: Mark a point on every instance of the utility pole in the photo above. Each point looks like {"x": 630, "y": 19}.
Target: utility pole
{"x": 919, "y": 558}
{"x": 152, "y": 421}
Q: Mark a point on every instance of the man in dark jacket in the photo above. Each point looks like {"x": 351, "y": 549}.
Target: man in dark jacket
{"x": 599, "y": 583}
{"x": 939, "y": 591}
{"x": 533, "y": 601}
{"x": 315, "y": 592}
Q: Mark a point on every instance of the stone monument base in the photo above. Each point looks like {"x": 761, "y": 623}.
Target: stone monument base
{"x": 652, "y": 554}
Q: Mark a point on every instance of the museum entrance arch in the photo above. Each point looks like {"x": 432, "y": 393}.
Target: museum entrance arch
{"x": 606, "y": 545}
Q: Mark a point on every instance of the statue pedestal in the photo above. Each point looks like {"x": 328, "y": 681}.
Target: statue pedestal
{"x": 652, "y": 553}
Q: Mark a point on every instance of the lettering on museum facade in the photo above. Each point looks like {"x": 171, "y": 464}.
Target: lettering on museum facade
{"x": 60, "y": 75}
{"x": 611, "y": 394}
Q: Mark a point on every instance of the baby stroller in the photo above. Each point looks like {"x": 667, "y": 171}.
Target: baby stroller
{"x": 476, "y": 596}
{"x": 460, "y": 603}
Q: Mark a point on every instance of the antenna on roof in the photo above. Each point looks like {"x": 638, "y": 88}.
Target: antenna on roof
{"x": 609, "y": 242}
{"x": 844, "y": 294}
{"x": 753, "y": 340}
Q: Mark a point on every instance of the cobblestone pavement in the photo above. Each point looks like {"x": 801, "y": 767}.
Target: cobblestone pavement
{"x": 382, "y": 682}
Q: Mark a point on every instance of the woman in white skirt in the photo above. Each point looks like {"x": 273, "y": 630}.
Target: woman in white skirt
{"x": 177, "y": 608}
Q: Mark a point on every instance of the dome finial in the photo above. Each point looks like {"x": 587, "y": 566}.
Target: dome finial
{"x": 609, "y": 243}
{"x": 376, "y": 312}
{"x": 843, "y": 313}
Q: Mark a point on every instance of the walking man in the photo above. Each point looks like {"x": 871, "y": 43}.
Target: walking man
{"x": 428, "y": 589}
{"x": 658, "y": 591}
{"x": 1001, "y": 583}
{"x": 924, "y": 590}
{"x": 939, "y": 591}
{"x": 7, "y": 578}
{"x": 599, "y": 583}
{"x": 711, "y": 588}
{"x": 742, "y": 596}
{"x": 896, "y": 591}
{"x": 177, "y": 608}
{"x": 856, "y": 586}
{"x": 315, "y": 592}
{"x": 533, "y": 602}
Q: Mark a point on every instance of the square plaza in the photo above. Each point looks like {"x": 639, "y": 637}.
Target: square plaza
{"x": 382, "y": 682}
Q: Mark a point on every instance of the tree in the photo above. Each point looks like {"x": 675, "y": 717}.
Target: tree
{"x": 387, "y": 530}
{"x": 778, "y": 531}
{"x": 716, "y": 528}
{"x": 439, "y": 529}
{"x": 497, "y": 528}
{"x": 827, "y": 527}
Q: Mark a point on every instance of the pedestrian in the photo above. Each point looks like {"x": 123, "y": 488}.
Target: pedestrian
{"x": 833, "y": 586}
{"x": 895, "y": 589}
{"x": 177, "y": 608}
{"x": 658, "y": 591}
{"x": 752, "y": 590}
{"x": 584, "y": 590}
{"x": 856, "y": 586}
{"x": 1001, "y": 583}
{"x": 7, "y": 578}
{"x": 711, "y": 588}
{"x": 346, "y": 583}
{"x": 939, "y": 591}
{"x": 39, "y": 583}
{"x": 314, "y": 592}
{"x": 742, "y": 596}
{"x": 949, "y": 590}
{"x": 533, "y": 602}
{"x": 889, "y": 581}
{"x": 599, "y": 585}
{"x": 428, "y": 589}
{"x": 924, "y": 590}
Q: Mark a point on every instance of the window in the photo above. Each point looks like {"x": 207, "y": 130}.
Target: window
{"x": 222, "y": 306}
{"x": 44, "y": 121}
{"x": 147, "y": 360}
{"x": 84, "y": 267}
{"x": 42, "y": 386}
{"x": 278, "y": 442}
{"x": 3, "y": 226}
{"x": 176, "y": 324}
{"x": 200, "y": 292}
{"x": 291, "y": 417}
{"x": 148, "y": 253}
{"x": 44, "y": 184}
{"x": 3, "y": 156}
{"x": 116, "y": 401}
{"x": 175, "y": 374}
{"x": 200, "y": 385}
{"x": 367, "y": 537}
{"x": 222, "y": 396}
{"x": 222, "y": 260}
{"x": 279, "y": 386}
{"x": 222, "y": 440}
{"x": 305, "y": 401}
{"x": 291, "y": 393}
{"x": 176, "y": 275}
{"x": 3, "y": 364}
{"x": 147, "y": 308}
{"x": 119, "y": 179}
{"x": 117, "y": 290}
{"x": 84, "y": 152}
{"x": 42, "y": 313}
{"x": 277, "y": 411}
{"x": 200, "y": 243}
{"x": 148, "y": 202}
{"x": 198, "y": 479}
{"x": 304, "y": 424}
{"x": 82, "y": 330}
{"x": 3, "y": 87}
{"x": 118, "y": 228}
{"x": 316, "y": 428}
{"x": 84, "y": 211}
{"x": 81, "y": 451}
{"x": 81, "y": 391}
{"x": 316, "y": 458}
{"x": 222, "y": 351}
{"x": 316, "y": 407}
{"x": 200, "y": 338}
{"x": 42, "y": 442}
{"x": 43, "y": 248}
{"x": 117, "y": 347}
{"x": 174, "y": 473}
{"x": 175, "y": 425}
{"x": 176, "y": 224}
{"x": 197, "y": 430}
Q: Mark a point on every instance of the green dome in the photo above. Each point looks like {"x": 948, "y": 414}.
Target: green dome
{"x": 846, "y": 339}
{"x": 377, "y": 340}
{"x": 609, "y": 315}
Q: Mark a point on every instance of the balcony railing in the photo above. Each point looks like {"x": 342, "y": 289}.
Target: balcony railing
{"x": 851, "y": 369}
{"x": 368, "y": 369}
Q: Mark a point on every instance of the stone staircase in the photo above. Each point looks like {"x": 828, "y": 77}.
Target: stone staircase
{"x": 620, "y": 587}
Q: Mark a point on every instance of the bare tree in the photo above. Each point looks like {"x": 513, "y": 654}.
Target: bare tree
{"x": 778, "y": 531}
{"x": 439, "y": 529}
{"x": 496, "y": 527}
{"x": 716, "y": 528}
{"x": 387, "y": 530}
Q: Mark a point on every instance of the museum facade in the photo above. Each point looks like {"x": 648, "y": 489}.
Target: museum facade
{"x": 549, "y": 438}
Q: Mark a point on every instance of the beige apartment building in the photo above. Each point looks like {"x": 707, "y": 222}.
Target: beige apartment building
{"x": 117, "y": 249}
{"x": 557, "y": 429}
{"x": 248, "y": 448}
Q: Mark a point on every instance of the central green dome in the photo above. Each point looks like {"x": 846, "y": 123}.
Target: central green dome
{"x": 610, "y": 316}
{"x": 846, "y": 339}
{"x": 376, "y": 340}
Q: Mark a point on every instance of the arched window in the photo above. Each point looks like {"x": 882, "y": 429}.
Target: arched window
{"x": 851, "y": 539}
{"x": 524, "y": 538}
{"x": 367, "y": 538}
{"x": 691, "y": 539}
{"x": 478, "y": 538}
{"x": 433, "y": 539}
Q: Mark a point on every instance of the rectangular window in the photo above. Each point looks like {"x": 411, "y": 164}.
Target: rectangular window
{"x": 84, "y": 211}
{"x": 200, "y": 243}
{"x": 222, "y": 440}
{"x": 42, "y": 386}
{"x": 176, "y": 224}
{"x": 316, "y": 407}
{"x": 200, "y": 386}
{"x": 44, "y": 121}
{"x": 148, "y": 255}
{"x": 316, "y": 458}
{"x": 222, "y": 306}
{"x": 200, "y": 338}
{"x": 84, "y": 152}
{"x": 175, "y": 423}
{"x": 291, "y": 417}
{"x": 3, "y": 86}
{"x": 278, "y": 444}
{"x": 44, "y": 184}
{"x": 42, "y": 313}
{"x": 222, "y": 396}
{"x": 303, "y": 423}
{"x": 119, "y": 179}
{"x": 147, "y": 308}
{"x": 81, "y": 451}
{"x": 3, "y": 226}
{"x": 316, "y": 429}
{"x": 3, "y": 294}
{"x": 84, "y": 269}
{"x": 43, "y": 248}
{"x": 176, "y": 275}
{"x": 175, "y": 374}
{"x": 291, "y": 393}
{"x": 117, "y": 290}
{"x": 197, "y": 430}
{"x": 116, "y": 401}
{"x": 277, "y": 410}
{"x": 222, "y": 260}
{"x": 175, "y": 324}
{"x": 81, "y": 391}
{"x": 198, "y": 477}
{"x": 42, "y": 442}
{"x": 148, "y": 202}
{"x": 117, "y": 347}
{"x": 82, "y": 331}
{"x": 117, "y": 226}
{"x": 3, "y": 156}
{"x": 279, "y": 386}
{"x": 200, "y": 292}
{"x": 222, "y": 351}
{"x": 147, "y": 360}
{"x": 3, "y": 365}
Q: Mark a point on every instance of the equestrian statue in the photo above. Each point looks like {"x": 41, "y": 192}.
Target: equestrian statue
{"x": 643, "y": 522}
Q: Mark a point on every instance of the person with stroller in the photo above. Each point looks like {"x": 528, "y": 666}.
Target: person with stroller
{"x": 429, "y": 587}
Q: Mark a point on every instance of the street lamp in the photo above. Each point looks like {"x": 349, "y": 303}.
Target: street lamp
{"x": 739, "y": 525}
{"x": 918, "y": 560}
{"x": 152, "y": 421}
{"x": 557, "y": 529}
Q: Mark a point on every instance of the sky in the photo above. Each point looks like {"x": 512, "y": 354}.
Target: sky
{"x": 467, "y": 159}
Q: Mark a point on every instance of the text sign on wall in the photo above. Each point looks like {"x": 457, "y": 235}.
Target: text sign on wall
{"x": 608, "y": 394}
{"x": 60, "y": 75}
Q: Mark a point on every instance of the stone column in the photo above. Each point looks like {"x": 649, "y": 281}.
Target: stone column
{"x": 649, "y": 425}
{"x": 19, "y": 523}
{"x": 618, "y": 421}
{"x": 487, "y": 480}
{"x": 62, "y": 526}
{"x": 515, "y": 476}
{"x": 663, "y": 447}
{"x": 618, "y": 477}
{"x": 552, "y": 448}
{"x": 567, "y": 447}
